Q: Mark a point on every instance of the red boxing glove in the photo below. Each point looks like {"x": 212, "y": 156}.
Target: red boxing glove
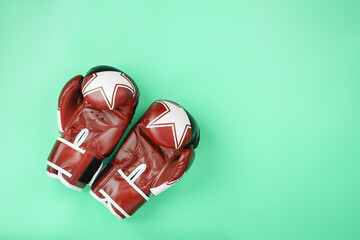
{"x": 93, "y": 114}
{"x": 156, "y": 153}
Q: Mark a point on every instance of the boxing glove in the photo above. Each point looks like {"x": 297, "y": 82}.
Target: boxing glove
{"x": 157, "y": 152}
{"x": 93, "y": 114}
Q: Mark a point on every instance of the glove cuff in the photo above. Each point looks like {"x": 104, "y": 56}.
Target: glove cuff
{"x": 120, "y": 195}
{"x": 72, "y": 165}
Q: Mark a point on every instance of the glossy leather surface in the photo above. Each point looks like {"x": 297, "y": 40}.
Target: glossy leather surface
{"x": 164, "y": 166}
{"x": 104, "y": 128}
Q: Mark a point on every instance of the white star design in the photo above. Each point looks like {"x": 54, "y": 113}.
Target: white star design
{"x": 174, "y": 117}
{"x": 108, "y": 83}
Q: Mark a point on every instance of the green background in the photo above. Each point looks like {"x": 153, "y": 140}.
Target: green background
{"x": 274, "y": 86}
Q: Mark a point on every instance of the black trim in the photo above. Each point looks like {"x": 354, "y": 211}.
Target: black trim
{"x": 195, "y": 136}
{"x": 90, "y": 171}
{"x": 101, "y": 68}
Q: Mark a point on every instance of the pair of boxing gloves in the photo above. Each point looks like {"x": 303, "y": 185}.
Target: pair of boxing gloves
{"x": 93, "y": 113}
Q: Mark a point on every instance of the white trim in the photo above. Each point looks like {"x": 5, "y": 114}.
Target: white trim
{"x": 137, "y": 172}
{"x": 81, "y": 137}
{"x": 105, "y": 203}
{"x": 71, "y": 145}
{"x": 95, "y": 175}
{"x": 102, "y": 200}
{"x": 109, "y": 206}
{"x": 67, "y": 184}
{"x": 159, "y": 189}
{"x": 92, "y": 78}
{"x": 59, "y": 121}
{"x": 59, "y": 169}
{"x": 110, "y": 200}
{"x": 52, "y": 175}
{"x": 133, "y": 185}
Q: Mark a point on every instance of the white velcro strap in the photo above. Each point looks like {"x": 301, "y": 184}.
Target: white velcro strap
{"x": 59, "y": 121}
{"x": 105, "y": 203}
{"x": 67, "y": 184}
{"x": 136, "y": 173}
{"x": 71, "y": 145}
{"x": 59, "y": 169}
{"x": 81, "y": 137}
{"x": 102, "y": 200}
{"x": 109, "y": 206}
{"x": 133, "y": 185}
{"x": 109, "y": 199}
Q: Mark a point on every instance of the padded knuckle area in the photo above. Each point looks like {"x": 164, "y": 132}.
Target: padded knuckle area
{"x": 168, "y": 124}
{"x": 108, "y": 89}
